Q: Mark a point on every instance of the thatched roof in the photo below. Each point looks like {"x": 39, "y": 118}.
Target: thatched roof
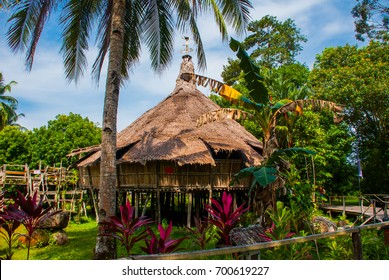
{"x": 168, "y": 132}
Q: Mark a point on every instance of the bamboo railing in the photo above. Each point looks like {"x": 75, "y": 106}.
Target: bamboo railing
{"x": 252, "y": 251}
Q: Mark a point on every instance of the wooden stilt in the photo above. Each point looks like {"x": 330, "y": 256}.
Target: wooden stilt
{"x": 189, "y": 213}
{"x": 137, "y": 197}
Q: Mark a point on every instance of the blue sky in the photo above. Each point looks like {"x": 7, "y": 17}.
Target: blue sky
{"x": 44, "y": 93}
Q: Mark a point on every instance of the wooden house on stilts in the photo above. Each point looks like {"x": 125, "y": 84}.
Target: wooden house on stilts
{"x": 168, "y": 165}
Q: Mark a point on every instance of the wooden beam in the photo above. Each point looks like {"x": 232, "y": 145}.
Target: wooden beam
{"x": 189, "y": 214}
{"x": 357, "y": 245}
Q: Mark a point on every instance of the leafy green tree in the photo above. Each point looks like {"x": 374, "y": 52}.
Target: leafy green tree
{"x": 271, "y": 44}
{"x": 50, "y": 144}
{"x": 15, "y": 146}
{"x": 371, "y": 19}
{"x": 274, "y": 43}
{"x": 357, "y": 78}
{"x": 123, "y": 27}
{"x": 8, "y": 105}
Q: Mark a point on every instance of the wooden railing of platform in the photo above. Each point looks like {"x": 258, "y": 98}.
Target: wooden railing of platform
{"x": 253, "y": 251}
{"x": 52, "y": 184}
{"x": 370, "y": 206}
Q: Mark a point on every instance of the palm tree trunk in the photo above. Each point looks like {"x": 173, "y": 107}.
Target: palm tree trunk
{"x": 105, "y": 246}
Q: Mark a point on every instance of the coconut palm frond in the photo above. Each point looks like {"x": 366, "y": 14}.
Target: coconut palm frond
{"x": 158, "y": 27}
{"x": 102, "y": 38}
{"x": 77, "y": 20}
{"x": 42, "y": 15}
{"x": 222, "y": 114}
{"x": 218, "y": 15}
{"x": 132, "y": 36}
{"x": 237, "y": 13}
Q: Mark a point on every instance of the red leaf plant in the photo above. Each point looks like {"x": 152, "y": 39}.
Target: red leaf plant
{"x": 163, "y": 244}
{"x": 29, "y": 212}
{"x": 126, "y": 229}
{"x": 200, "y": 232}
{"x": 223, "y": 216}
{"x": 274, "y": 233}
{"x": 8, "y": 234}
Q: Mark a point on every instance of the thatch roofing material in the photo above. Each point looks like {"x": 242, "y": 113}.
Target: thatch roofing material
{"x": 168, "y": 132}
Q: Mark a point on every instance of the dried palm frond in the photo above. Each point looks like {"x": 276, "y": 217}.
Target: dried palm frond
{"x": 222, "y": 114}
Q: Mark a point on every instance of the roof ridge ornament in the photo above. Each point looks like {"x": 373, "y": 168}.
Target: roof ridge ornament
{"x": 187, "y": 68}
{"x": 187, "y": 49}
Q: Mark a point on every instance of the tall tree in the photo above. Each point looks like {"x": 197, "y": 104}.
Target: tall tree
{"x": 8, "y": 105}
{"x": 123, "y": 25}
{"x": 371, "y": 19}
{"x": 357, "y": 78}
{"x": 51, "y": 143}
{"x": 271, "y": 43}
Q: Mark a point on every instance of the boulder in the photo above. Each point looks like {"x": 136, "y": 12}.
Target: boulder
{"x": 60, "y": 238}
{"x": 57, "y": 221}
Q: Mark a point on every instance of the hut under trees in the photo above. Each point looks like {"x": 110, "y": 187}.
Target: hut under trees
{"x": 168, "y": 165}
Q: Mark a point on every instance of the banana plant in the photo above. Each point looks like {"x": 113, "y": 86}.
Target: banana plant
{"x": 258, "y": 105}
{"x": 266, "y": 113}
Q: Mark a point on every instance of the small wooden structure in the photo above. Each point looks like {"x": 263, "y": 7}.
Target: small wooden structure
{"x": 168, "y": 165}
{"x": 50, "y": 182}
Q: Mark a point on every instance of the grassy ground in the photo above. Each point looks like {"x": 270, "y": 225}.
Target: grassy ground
{"x": 82, "y": 239}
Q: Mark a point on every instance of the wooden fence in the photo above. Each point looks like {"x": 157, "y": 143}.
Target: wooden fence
{"x": 364, "y": 205}
{"x": 252, "y": 251}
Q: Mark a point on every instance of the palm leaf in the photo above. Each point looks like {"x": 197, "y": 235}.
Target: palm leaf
{"x": 43, "y": 13}
{"x": 76, "y": 19}
{"x": 187, "y": 12}
{"x": 222, "y": 114}
{"x": 132, "y": 35}
{"x": 237, "y": 13}
{"x": 22, "y": 22}
{"x": 158, "y": 29}
{"x": 102, "y": 38}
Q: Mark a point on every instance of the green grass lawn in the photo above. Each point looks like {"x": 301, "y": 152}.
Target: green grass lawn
{"x": 82, "y": 239}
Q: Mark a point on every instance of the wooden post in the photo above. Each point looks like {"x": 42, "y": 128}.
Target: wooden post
{"x": 234, "y": 203}
{"x": 158, "y": 213}
{"x": 344, "y": 206}
{"x": 357, "y": 245}
{"x": 137, "y": 197}
{"x": 189, "y": 214}
{"x": 374, "y": 211}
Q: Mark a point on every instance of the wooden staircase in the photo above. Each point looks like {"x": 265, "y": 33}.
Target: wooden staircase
{"x": 55, "y": 185}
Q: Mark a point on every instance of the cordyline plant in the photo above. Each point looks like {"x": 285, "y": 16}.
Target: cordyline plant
{"x": 8, "y": 233}
{"x": 163, "y": 244}
{"x": 29, "y": 212}
{"x": 223, "y": 216}
{"x": 126, "y": 228}
{"x": 200, "y": 232}
{"x": 9, "y": 228}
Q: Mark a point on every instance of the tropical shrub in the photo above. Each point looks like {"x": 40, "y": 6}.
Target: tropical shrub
{"x": 164, "y": 244}
{"x": 282, "y": 218}
{"x": 29, "y": 212}
{"x": 200, "y": 232}
{"x": 223, "y": 216}
{"x": 126, "y": 229}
